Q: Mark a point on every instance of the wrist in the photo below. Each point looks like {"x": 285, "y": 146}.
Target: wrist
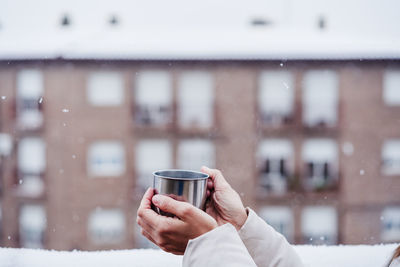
{"x": 240, "y": 219}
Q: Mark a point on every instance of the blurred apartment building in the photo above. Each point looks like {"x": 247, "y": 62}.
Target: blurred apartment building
{"x": 313, "y": 146}
{"x": 304, "y": 125}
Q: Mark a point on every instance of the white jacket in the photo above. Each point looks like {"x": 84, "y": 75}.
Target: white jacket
{"x": 395, "y": 263}
{"x": 255, "y": 244}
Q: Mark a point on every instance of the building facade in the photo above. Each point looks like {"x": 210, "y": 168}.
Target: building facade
{"x": 311, "y": 145}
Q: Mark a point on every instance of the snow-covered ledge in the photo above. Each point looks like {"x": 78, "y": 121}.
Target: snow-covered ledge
{"x": 318, "y": 256}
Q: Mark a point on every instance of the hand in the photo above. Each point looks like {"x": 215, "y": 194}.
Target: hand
{"x": 224, "y": 204}
{"x": 172, "y": 234}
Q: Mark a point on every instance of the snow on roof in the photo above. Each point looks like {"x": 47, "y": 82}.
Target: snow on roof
{"x": 312, "y": 256}
{"x": 208, "y": 29}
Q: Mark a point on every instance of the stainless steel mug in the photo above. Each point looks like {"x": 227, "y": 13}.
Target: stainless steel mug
{"x": 182, "y": 185}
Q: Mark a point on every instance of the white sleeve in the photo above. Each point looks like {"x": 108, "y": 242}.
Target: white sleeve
{"x": 395, "y": 263}
{"x": 266, "y": 246}
{"x": 220, "y": 247}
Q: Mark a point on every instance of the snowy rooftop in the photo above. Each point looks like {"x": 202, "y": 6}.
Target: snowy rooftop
{"x": 312, "y": 256}
{"x": 208, "y": 29}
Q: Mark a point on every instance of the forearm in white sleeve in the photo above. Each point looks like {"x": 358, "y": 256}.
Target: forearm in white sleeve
{"x": 267, "y": 247}
{"x": 219, "y": 247}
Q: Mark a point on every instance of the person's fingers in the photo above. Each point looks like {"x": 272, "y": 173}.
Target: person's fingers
{"x": 145, "y": 203}
{"x": 178, "y": 208}
{"x": 216, "y": 176}
{"x": 146, "y": 217}
{"x": 144, "y": 222}
{"x": 208, "y": 193}
{"x": 210, "y": 184}
{"x": 148, "y": 236}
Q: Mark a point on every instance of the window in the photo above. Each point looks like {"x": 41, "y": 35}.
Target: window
{"x": 275, "y": 162}
{"x": 106, "y": 158}
{"x": 32, "y": 225}
{"x": 391, "y": 87}
{"x": 31, "y": 166}
{"x": 319, "y": 225}
{"x": 29, "y": 93}
{"x": 391, "y": 157}
{"x": 195, "y": 100}
{"x": 390, "y": 224}
{"x": 106, "y": 226}
{"x": 276, "y": 97}
{"x": 320, "y": 98}
{"x": 31, "y": 155}
{"x": 30, "y": 186}
{"x": 194, "y": 153}
{"x": 153, "y": 97}
{"x": 151, "y": 155}
{"x": 281, "y": 219}
{"x": 320, "y": 163}
{"x": 105, "y": 88}
{"x": 6, "y": 144}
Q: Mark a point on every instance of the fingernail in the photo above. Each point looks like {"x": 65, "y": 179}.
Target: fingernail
{"x": 156, "y": 199}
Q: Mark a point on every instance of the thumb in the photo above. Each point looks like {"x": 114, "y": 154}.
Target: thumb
{"x": 170, "y": 205}
{"x": 217, "y": 177}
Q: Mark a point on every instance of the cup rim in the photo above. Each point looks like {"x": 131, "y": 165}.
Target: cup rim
{"x": 205, "y": 175}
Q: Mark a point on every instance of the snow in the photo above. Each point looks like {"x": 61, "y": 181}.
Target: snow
{"x": 348, "y": 148}
{"x": 312, "y": 256}
{"x": 179, "y": 29}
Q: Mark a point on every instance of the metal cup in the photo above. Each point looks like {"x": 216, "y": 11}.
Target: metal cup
{"x": 182, "y": 185}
